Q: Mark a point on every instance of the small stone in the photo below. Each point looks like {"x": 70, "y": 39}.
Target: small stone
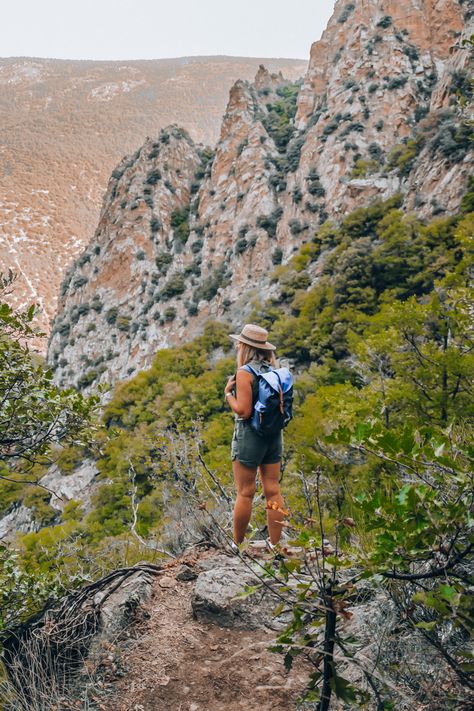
{"x": 186, "y": 573}
{"x": 166, "y": 582}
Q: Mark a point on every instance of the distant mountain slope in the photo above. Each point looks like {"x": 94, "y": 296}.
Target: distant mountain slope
{"x": 65, "y": 124}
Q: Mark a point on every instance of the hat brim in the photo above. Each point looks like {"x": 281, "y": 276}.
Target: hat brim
{"x": 261, "y": 347}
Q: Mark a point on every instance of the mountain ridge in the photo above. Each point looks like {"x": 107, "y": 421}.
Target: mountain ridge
{"x": 181, "y": 248}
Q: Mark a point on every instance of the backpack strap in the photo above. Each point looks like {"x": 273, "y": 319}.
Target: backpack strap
{"x": 256, "y": 372}
{"x": 282, "y": 409}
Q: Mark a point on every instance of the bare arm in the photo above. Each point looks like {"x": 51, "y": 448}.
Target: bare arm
{"x": 242, "y": 404}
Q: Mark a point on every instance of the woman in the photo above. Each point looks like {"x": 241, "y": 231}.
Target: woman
{"x": 250, "y": 450}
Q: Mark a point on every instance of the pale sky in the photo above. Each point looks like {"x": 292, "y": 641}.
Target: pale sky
{"x": 153, "y": 29}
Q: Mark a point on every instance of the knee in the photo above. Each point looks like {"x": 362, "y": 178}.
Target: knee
{"x": 247, "y": 492}
{"x": 271, "y": 491}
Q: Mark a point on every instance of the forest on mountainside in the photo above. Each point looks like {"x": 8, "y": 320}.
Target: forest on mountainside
{"x": 382, "y": 348}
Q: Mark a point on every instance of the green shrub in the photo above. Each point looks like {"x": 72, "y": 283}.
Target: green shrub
{"x": 352, "y": 126}
{"x": 83, "y": 309}
{"x": 297, "y": 195}
{"x": 37, "y": 499}
{"x": 347, "y": 11}
{"x": 452, "y": 140}
{"x": 83, "y": 259}
{"x": 197, "y": 246}
{"x": 87, "y": 379}
{"x": 296, "y": 227}
{"x": 111, "y": 315}
{"x": 242, "y": 146}
{"x": 313, "y": 207}
{"x": 155, "y": 225}
{"x": 170, "y": 313}
{"x": 397, "y": 82}
{"x": 174, "y": 286}
{"x": 280, "y": 114}
{"x": 163, "y": 261}
{"x": 411, "y": 52}
{"x": 97, "y": 304}
{"x": 350, "y": 83}
{"x": 216, "y": 279}
{"x": 403, "y": 156}
{"x": 364, "y": 167}
{"x": 314, "y": 185}
{"x": 79, "y": 281}
{"x": 385, "y": 22}
{"x": 330, "y": 127}
{"x": 277, "y": 255}
{"x": 293, "y": 153}
{"x": 269, "y": 222}
{"x": 123, "y": 323}
{"x": 375, "y": 151}
{"x": 180, "y": 224}
{"x": 153, "y": 176}
{"x": 155, "y": 151}
{"x": 240, "y": 245}
{"x": 140, "y": 255}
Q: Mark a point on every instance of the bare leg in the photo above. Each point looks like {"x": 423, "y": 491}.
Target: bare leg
{"x": 270, "y": 476}
{"x": 244, "y": 478}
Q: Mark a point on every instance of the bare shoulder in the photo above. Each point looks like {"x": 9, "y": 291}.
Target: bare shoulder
{"x": 244, "y": 375}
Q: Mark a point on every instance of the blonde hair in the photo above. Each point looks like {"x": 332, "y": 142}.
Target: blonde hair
{"x": 246, "y": 353}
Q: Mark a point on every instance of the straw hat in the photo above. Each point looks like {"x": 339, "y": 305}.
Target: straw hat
{"x": 254, "y": 336}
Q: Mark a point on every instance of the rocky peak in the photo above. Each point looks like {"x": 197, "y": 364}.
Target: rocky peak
{"x": 264, "y": 79}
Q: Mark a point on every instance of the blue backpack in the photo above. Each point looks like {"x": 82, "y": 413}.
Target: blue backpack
{"x": 273, "y": 408}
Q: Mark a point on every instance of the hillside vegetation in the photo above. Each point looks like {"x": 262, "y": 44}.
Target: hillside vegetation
{"x": 382, "y": 346}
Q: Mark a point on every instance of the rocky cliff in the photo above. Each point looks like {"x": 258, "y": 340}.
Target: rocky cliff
{"x": 187, "y": 234}
{"x": 65, "y": 124}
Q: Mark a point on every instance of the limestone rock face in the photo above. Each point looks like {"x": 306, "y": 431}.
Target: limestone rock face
{"x": 187, "y": 234}
{"x": 106, "y": 305}
{"x": 18, "y": 520}
{"x": 77, "y": 486}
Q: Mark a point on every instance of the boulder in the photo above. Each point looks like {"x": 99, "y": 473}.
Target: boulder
{"x": 217, "y": 595}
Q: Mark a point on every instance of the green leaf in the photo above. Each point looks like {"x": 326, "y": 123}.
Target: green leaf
{"x": 343, "y": 688}
{"x": 447, "y": 592}
{"x": 426, "y": 625}
{"x": 279, "y": 609}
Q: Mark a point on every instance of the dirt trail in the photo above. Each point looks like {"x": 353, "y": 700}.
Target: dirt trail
{"x": 180, "y": 664}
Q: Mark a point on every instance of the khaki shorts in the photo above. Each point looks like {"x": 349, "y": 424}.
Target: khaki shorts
{"x": 251, "y": 449}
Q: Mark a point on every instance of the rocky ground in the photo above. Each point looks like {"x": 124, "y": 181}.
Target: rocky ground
{"x": 180, "y": 637}
{"x": 182, "y": 659}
